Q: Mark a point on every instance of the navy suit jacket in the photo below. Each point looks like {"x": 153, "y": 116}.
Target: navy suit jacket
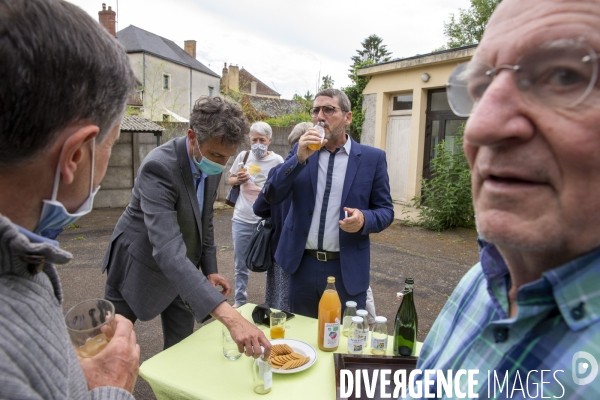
{"x": 366, "y": 187}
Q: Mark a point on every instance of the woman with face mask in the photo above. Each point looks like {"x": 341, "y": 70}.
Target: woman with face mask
{"x": 251, "y": 176}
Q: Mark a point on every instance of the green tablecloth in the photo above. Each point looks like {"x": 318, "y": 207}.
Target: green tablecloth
{"x": 197, "y": 369}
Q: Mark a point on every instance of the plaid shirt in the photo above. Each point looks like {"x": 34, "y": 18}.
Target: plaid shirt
{"x": 559, "y": 315}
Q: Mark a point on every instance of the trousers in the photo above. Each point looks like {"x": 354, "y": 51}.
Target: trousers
{"x": 177, "y": 321}
{"x": 308, "y": 283}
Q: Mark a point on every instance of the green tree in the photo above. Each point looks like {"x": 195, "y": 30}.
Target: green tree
{"x": 446, "y": 201}
{"x": 468, "y": 27}
{"x": 372, "y": 50}
{"x": 327, "y": 83}
{"x": 306, "y": 100}
{"x": 354, "y": 93}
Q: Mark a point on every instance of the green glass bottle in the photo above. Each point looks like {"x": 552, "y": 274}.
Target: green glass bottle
{"x": 406, "y": 325}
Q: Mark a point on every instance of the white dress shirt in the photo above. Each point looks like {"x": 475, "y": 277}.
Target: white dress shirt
{"x": 331, "y": 239}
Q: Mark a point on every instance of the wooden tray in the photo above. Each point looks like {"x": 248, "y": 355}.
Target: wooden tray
{"x": 353, "y": 362}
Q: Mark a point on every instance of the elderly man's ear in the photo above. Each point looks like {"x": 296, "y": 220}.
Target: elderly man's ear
{"x": 75, "y": 149}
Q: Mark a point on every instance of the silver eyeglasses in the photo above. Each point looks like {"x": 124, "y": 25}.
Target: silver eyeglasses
{"x": 558, "y": 74}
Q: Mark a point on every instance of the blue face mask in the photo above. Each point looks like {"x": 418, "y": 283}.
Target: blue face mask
{"x": 207, "y": 166}
{"x": 54, "y": 214}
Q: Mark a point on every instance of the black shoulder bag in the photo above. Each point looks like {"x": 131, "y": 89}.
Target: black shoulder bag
{"x": 258, "y": 254}
{"x": 234, "y": 192}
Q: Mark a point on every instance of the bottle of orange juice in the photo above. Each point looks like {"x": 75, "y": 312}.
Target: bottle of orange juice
{"x": 241, "y": 167}
{"x": 318, "y": 127}
{"x": 330, "y": 315}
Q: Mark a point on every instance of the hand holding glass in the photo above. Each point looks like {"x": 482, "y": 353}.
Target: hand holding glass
{"x": 230, "y": 347}
{"x": 91, "y": 325}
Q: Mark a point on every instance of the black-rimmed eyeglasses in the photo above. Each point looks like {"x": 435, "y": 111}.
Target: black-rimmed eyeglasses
{"x": 558, "y": 74}
{"x": 327, "y": 110}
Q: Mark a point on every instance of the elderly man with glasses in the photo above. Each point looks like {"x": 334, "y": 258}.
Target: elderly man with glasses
{"x": 340, "y": 194}
{"x": 528, "y": 315}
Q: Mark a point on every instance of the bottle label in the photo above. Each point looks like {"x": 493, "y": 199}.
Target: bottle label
{"x": 363, "y": 334}
{"x": 379, "y": 344}
{"x": 331, "y": 336}
{"x": 355, "y": 345}
{"x": 268, "y": 378}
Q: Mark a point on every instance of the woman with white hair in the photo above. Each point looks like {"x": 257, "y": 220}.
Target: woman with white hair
{"x": 251, "y": 175}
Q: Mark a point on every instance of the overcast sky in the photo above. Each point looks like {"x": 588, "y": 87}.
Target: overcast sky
{"x": 285, "y": 43}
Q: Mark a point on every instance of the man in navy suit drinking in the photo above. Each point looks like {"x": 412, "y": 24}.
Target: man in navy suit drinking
{"x": 340, "y": 194}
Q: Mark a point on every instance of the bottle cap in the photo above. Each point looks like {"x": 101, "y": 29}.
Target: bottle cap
{"x": 358, "y": 320}
{"x": 331, "y": 279}
{"x": 350, "y": 303}
{"x": 410, "y": 281}
{"x": 380, "y": 319}
{"x": 362, "y": 313}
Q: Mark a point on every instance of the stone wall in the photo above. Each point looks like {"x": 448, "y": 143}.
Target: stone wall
{"x": 127, "y": 155}
{"x": 369, "y": 106}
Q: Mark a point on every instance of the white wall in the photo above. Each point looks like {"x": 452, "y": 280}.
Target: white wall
{"x": 177, "y": 99}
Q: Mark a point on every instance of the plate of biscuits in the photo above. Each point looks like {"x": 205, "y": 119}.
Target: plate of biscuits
{"x": 289, "y": 356}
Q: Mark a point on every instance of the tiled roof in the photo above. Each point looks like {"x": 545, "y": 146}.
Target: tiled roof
{"x": 139, "y": 124}
{"x": 246, "y": 78}
{"x": 136, "y": 40}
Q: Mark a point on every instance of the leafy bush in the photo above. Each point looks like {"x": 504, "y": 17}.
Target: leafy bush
{"x": 286, "y": 120}
{"x": 446, "y": 201}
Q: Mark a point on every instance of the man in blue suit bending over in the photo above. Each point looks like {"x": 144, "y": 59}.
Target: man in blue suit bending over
{"x": 318, "y": 240}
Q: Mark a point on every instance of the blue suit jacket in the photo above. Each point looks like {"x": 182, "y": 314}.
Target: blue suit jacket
{"x": 366, "y": 187}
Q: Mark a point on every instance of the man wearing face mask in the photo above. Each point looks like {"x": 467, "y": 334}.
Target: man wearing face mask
{"x": 55, "y": 142}
{"x": 251, "y": 177}
{"x": 161, "y": 259}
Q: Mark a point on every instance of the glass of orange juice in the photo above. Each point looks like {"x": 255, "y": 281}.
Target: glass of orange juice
{"x": 278, "y": 325}
{"x": 91, "y": 326}
{"x": 320, "y": 128}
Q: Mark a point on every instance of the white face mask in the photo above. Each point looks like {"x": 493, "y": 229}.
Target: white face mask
{"x": 54, "y": 215}
{"x": 259, "y": 150}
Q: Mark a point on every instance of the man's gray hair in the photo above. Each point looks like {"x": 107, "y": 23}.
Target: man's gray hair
{"x": 299, "y": 130}
{"x": 262, "y": 128}
{"x": 58, "y": 66}
{"x": 215, "y": 117}
{"x": 343, "y": 100}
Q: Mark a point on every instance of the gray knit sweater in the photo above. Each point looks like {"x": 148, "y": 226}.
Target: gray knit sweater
{"x": 37, "y": 359}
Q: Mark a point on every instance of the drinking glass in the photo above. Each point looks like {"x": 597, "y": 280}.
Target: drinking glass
{"x": 278, "y": 325}
{"x": 91, "y": 325}
{"x": 230, "y": 347}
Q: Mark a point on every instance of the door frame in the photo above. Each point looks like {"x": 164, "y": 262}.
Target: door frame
{"x": 442, "y": 116}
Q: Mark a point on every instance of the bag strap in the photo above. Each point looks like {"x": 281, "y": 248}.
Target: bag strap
{"x": 246, "y": 157}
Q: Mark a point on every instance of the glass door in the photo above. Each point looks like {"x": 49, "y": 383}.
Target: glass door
{"x": 441, "y": 124}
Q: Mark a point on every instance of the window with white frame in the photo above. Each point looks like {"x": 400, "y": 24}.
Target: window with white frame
{"x": 401, "y": 103}
{"x": 166, "y": 81}
{"x": 210, "y": 91}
